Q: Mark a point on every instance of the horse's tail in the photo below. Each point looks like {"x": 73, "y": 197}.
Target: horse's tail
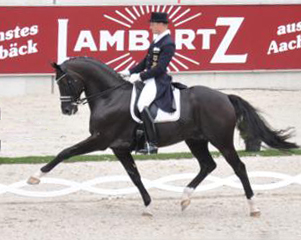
{"x": 258, "y": 127}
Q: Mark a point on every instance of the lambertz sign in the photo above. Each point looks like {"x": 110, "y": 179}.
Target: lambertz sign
{"x": 208, "y": 38}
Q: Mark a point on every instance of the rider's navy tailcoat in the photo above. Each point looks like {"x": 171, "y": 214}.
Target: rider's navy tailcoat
{"x": 154, "y": 65}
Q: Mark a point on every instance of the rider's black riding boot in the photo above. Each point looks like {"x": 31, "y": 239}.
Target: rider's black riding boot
{"x": 150, "y": 132}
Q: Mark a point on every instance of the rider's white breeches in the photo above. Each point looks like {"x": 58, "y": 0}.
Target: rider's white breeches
{"x": 148, "y": 94}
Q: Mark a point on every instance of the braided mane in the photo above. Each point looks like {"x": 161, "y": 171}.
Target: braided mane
{"x": 98, "y": 63}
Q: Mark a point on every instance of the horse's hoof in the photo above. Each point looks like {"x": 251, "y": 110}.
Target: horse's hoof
{"x": 185, "y": 203}
{"x": 33, "y": 181}
{"x": 147, "y": 212}
{"x": 255, "y": 213}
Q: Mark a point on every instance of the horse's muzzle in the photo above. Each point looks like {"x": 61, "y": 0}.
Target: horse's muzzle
{"x": 69, "y": 109}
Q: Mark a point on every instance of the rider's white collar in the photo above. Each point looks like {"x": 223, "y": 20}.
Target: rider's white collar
{"x": 160, "y": 36}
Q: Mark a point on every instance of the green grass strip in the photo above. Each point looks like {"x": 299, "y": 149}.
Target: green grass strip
{"x": 161, "y": 156}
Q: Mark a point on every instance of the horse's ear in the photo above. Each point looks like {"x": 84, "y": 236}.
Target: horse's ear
{"x": 56, "y": 66}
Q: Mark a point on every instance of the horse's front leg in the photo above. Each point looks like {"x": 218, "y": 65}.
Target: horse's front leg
{"x": 89, "y": 145}
{"x": 128, "y": 163}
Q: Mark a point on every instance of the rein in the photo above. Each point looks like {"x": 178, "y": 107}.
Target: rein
{"x": 98, "y": 95}
{"x": 88, "y": 98}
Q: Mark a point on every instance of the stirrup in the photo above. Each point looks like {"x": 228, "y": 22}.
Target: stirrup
{"x": 149, "y": 148}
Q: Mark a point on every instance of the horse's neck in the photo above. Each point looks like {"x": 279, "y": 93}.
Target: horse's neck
{"x": 96, "y": 79}
{"x": 112, "y": 96}
{"x": 98, "y": 82}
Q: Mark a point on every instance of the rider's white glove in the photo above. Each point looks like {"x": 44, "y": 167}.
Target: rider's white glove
{"x": 124, "y": 73}
{"x": 135, "y": 77}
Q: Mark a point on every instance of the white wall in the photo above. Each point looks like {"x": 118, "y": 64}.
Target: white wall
{"x": 33, "y": 84}
{"x": 25, "y": 2}
{"x": 11, "y": 86}
{"x": 243, "y": 80}
{"x": 132, "y": 2}
{"x": 197, "y": 2}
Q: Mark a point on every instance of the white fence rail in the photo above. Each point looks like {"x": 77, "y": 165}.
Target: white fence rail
{"x": 161, "y": 183}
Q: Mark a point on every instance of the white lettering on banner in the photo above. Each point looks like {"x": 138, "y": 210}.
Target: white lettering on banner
{"x": 220, "y": 56}
{"x": 289, "y": 28}
{"x": 62, "y": 40}
{"x": 106, "y": 38}
{"x": 85, "y": 40}
{"x": 18, "y": 32}
{"x": 291, "y": 45}
{"x": 284, "y": 46}
{"x": 206, "y": 37}
{"x": 15, "y": 51}
{"x": 138, "y": 40}
{"x": 187, "y": 40}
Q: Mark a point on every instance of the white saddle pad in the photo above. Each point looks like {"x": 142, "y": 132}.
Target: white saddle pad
{"x": 161, "y": 115}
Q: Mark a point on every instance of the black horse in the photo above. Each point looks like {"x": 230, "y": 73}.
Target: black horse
{"x": 207, "y": 116}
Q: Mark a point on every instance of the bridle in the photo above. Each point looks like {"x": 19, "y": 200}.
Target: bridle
{"x": 68, "y": 99}
{"x": 78, "y": 101}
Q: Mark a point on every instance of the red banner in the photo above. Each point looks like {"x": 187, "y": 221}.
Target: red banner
{"x": 210, "y": 38}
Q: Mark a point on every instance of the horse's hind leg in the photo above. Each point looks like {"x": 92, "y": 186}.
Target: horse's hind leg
{"x": 128, "y": 163}
{"x": 239, "y": 168}
{"x": 199, "y": 149}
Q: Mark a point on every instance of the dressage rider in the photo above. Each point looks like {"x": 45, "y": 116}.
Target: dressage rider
{"x": 152, "y": 70}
